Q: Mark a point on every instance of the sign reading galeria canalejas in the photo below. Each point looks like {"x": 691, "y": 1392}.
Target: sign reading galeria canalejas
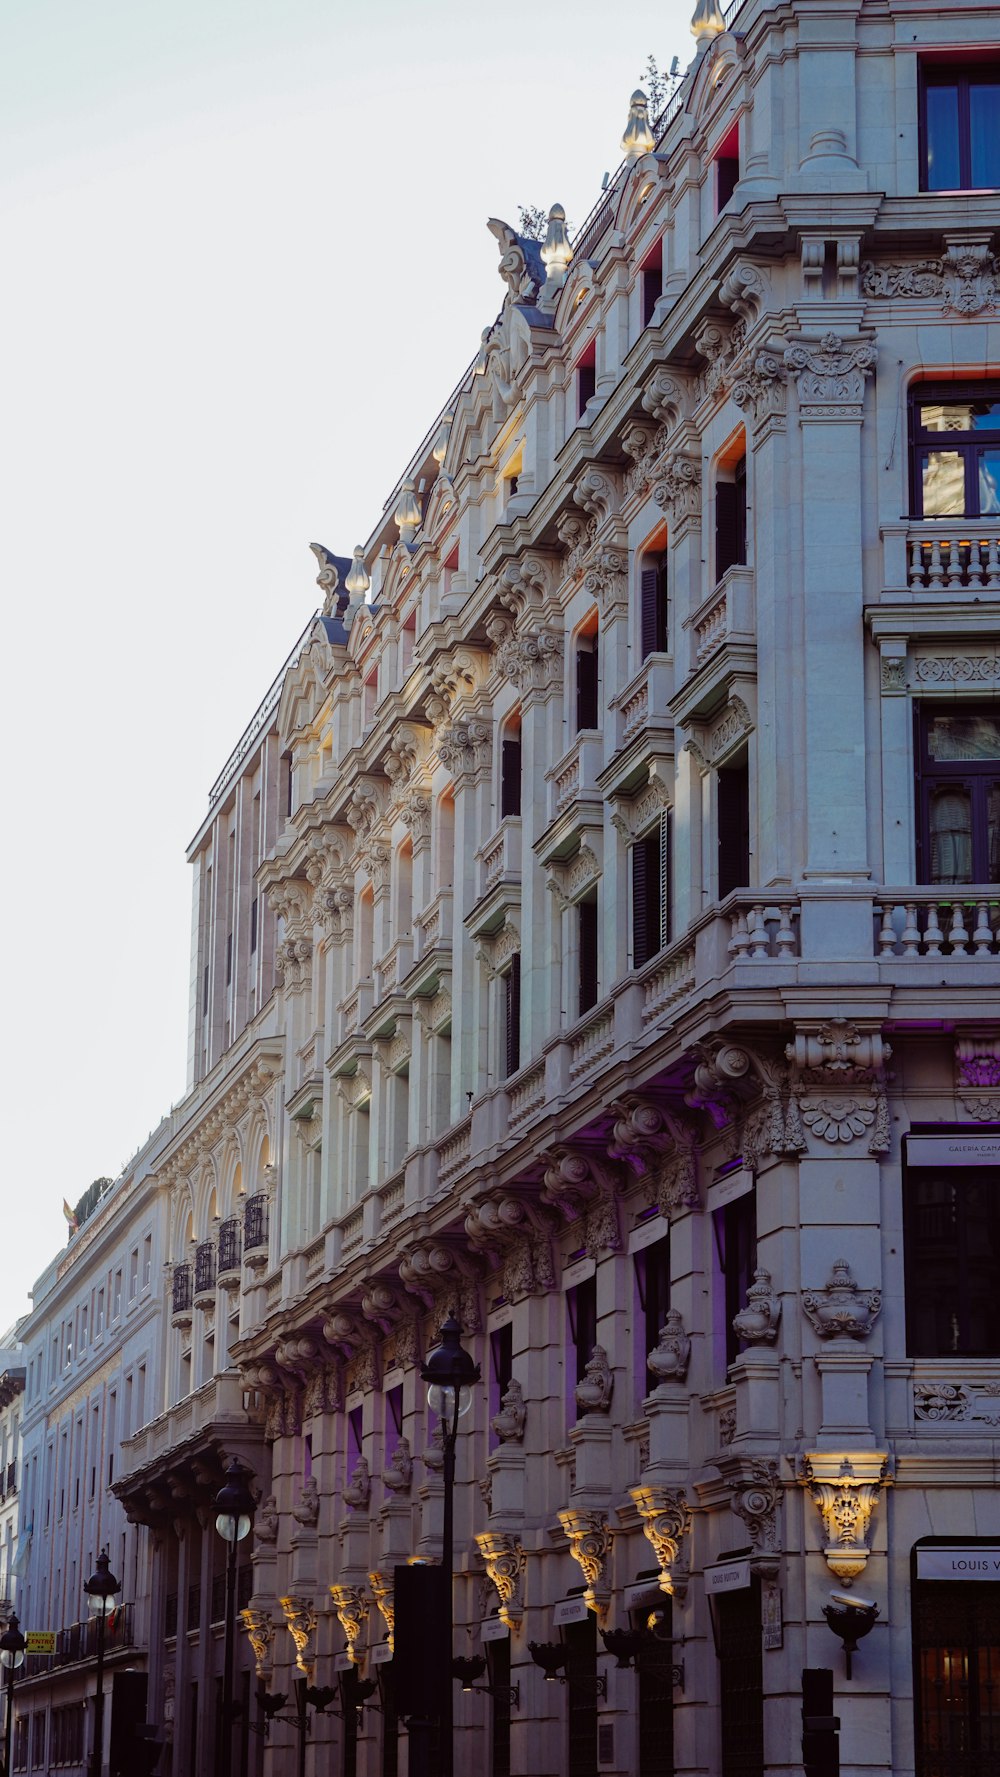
{"x": 953, "y": 1150}
{"x": 974, "y": 1561}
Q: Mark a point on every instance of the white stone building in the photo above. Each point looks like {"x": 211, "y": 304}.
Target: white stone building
{"x": 12, "y": 1379}
{"x": 597, "y": 932}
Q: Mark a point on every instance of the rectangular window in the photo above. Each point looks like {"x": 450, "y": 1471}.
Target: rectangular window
{"x": 133, "y": 1274}
{"x": 652, "y": 1277}
{"x": 581, "y": 1697}
{"x": 958, "y": 752}
{"x": 735, "y": 1227}
{"x": 581, "y": 1307}
{"x": 499, "y": 1675}
{"x": 586, "y": 913}
{"x": 726, "y": 163}
{"x": 501, "y": 1370}
{"x": 116, "y": 1305}
{"x": 587, "y": 701}
{"x": 733, "y": 809}
{"x": 651, "y": 891}
{"x": 951, "y": 1243}
{"x": 253, "y": 925}
{"x": 511, "y": 988}
{"x": 229, "y": 959}
{"x": 741, "y": 1682}
{"x": 656, "y": 1695}
{"x": 960, "y": 128}
{"x": 147, "y": 1260}
{"x": 510, "y": 776}
{"x": 955, "y": 451}
{"x": 286, "y": 760}
{"x": 653, "y": 607}
{"x": 652, "y": 282}
{"x": 586, "y": 379}
{"x": 731, "y": 521}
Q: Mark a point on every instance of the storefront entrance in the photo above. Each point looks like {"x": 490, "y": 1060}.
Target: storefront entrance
{"x": 956, "y": 1657}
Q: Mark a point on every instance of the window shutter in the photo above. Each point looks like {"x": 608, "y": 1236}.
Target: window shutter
{"x": 512, "y": 1016}
{"x": 586, "y": 687}
{"x": 727, "y": 552}
{"x": 510, "y": 777}
{"x": 733, "y": 805}
{"x": 587, "y": 911}
{"x": 649, "y": 587}
{"x": 740, "y": 484}
{"x": 647, "y": 896}
{"x": 666, "y": 872}
{"x": 652, "y": 290}
{"x": 640, "y": 907}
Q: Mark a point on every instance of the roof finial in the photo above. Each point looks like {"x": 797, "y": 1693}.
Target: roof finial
{"x": 556, "y": 255}
{"x": 328, "y": 578}
{"x": 439, "y": 449}
{"x": 407, "y": 514}
{"x": 638, "y": 138}
{"x": 358, "y": 578}
{"x": 707, "y": 22}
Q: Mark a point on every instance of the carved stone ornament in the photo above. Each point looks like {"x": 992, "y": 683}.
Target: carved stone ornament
{"x": 756, "y": 1493}
{"x": 845, "y": 1491}
{"x": 955, "y": 1403}
{"x": 977, "y": 1063}
{"x": 606, "y": 580}
{"x": 757, "y": 1323}
{"x": 352, "y": 1606}
{"x": 495, "y": 953}
{"x": 842, "y": 1310}
{"x": 664, "y": 397}
{"x": 893, "y": 672}
{"x": 744, "y": 290}
{"x": 259, "y": 1629}
{"x": 639, "y": 442}
{"x": 358, "y": 1490}
{"x": 720, "y": 347}
{"x": 831, "y": 373}
{"x": 958, "y": 669}
{"x": 576, "y": 534}
{"x": 465, "y": 748}
{"x": 593, "y": 1393}
{"x": 399, "y": 1474}
{"x": 598, "y": 493}
{"x": 570, "y": 881}
{"x": 300, "y": 1620}
{"x": 505, "y": 1564}
{"x": 433, "y": 1457}
{"x": 509, "y": 1423}
{"x": 671, "y": 1355}
{"x": 306, "y": 1512}
{"x": 384, "y": 1598}
{"x": 531, "y": 658}
{"x": 590, "y": 1541}
{"x": 666, "y": 1523}
{"x": 839, "y": 1056}
{"x": 522, "y": 281}
{"x": 966, "y": 279}
{"x": 677, "y": 490}
{"x": 759, "y": 387}
{"x": 265, "y": 1524}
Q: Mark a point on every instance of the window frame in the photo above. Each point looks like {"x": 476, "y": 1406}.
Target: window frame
{"x": 978, "y": 777}
{"x": 961, "y": 75}
{"x": 961, "y": 1295}
{"x": 922, "y": 439}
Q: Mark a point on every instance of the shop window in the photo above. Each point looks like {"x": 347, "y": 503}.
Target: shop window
{"x": 735, "y": 1227}
{"x": 656, "y": 1694}
{"x": 501, "y": 1370}
{"x": 956, "y": 1665}
{"x": 951, "y": 1242}
{"x": 653, "y": 637}
{"x": 587, "y": 936}
{"x": 581, "y": 1697}
{"x": 652, "y": 1279}
{"x": 958, "y": 751}
{"x": 731, "y": 520}
{"x": 511, "y": 988}
{"x": 955, "y": 450}
{"x": 741, "y": 1682}
{"x": 960, "y": 128}
{"x": 581, "y": 1307}
{"x": 651, "y": 870}
{"x": 499, "y": 1675}
{"x": 733, "y": 818}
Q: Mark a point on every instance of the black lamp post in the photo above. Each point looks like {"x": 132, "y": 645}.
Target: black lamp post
{"x": 102, "y": 1589}
{"x": 449, "y": 1373}
{"x": 234, "y": 1507}
{"x": 11, "y": 1656}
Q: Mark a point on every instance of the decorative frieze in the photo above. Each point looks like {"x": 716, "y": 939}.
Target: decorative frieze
{"x": 941, "y": 1402}
{"x": 965, "y": 279}
{"x": 590, "y": 1543}
{"x": 506, "y": 1563}
{"x": 666, "y": 1523}
{"x": 845, "y": 1491}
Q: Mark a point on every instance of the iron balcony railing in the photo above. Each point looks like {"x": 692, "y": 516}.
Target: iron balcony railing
{"x": 204, "y": 1267}
{"x": 181, "y": 1293}
{"x": 255, "y": 1222}
{"x": 78, "y": 1641}
{"x": 229, "y": 1244}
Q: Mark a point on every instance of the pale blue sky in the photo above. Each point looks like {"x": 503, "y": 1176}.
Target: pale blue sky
{"x": 245, "y": 261}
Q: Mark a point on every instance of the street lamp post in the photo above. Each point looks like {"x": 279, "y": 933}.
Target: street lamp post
{"x": 449, "y": 1373}
{"x": 102, "y": 1588}
{"x": 11, "y": 1656}
{"x": 234, "y": 1507}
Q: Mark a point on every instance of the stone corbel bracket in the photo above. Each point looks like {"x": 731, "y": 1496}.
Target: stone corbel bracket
{"x": 384, "y": 1598}
{"x": 352, "y": 1608}
{"x": 756, "y": 1493}
{"x": 259, "y": 1628}
{"x": 666, "y": 1523}
{"x": 300, "y": 1620}
{"x": 839, "y": 1056}
{"x": 506, "y": 1564}
{"x": 845, "y": 1490}
{"x": 590, "y": 1541}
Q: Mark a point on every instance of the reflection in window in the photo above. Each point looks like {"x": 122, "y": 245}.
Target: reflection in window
{"x": 960, "y": 477}
{"x": 960, "y": 150}
{"x": 951, "y": 836}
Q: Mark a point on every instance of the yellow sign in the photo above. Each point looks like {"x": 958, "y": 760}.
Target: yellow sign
{"x": 40, "y": 1641}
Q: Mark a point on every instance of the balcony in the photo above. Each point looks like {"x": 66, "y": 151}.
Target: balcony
{"x": 255, "y": 1231}
{"x": 500, "y": 857}
{"x": 721, "y": 643}
{"x": 942, "y": 555}
{"x": 204, "y": 1274}
{"x": 78, "y": 1642}
{"x": 229, "y": 1253}
{"x": 929, "y": 923}
{"x": 181, "y": 1297}
{"x": 393, "y": 968}
{"x": 574, "y": 778}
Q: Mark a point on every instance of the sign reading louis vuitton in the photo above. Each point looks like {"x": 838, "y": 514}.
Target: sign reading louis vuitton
{"x": 975, "y": 1561}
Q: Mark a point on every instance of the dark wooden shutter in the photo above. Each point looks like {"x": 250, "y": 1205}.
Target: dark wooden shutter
{"x": 652, "y": 290}
{"x": 649, "y": 596}
{"x": 666, "y": 874}
{"x": 646, "y": 897}
{"x": 586, "y": 687}
{"x": 586, "y": 385}
{"x": 733, "y": 804}
{"x": 587, "y": 911}
{"x": 512, "y": 1016}
{"x": 726, "y": 527}
{"x": 740, "y": 484}
{"x": 510, "y": 777}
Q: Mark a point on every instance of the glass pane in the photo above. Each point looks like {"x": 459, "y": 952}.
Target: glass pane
{"x": 951, "y": 738}
{"x": 942, "y": 138}
{"x": 989, "y": 482}
{"x": 984, "y": 133}
{"x": 993, "y": 833}
{"x": 951, "y": 836}
{"x": 955, "y": 414}
{"x": 942, "y": 474}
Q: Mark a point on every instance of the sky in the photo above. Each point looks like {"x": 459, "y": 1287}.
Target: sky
{"x": 245, "y": 262}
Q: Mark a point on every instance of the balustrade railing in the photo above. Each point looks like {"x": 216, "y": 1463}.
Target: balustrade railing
{"x": 204, "y": 1267}
{"x": 929, "y": 923}
{"x": 180, "y": 1293}
{"x": 940, "y": 563}
{"x": 229, "y": 1245}
{"x": 761, "y": 931}
{"x": 255, "y": 1228}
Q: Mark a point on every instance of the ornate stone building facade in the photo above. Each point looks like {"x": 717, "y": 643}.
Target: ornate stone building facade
{"x": 603, "y": 942}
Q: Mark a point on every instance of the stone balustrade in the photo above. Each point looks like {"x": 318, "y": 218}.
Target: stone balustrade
{"x": 927, "y": 922}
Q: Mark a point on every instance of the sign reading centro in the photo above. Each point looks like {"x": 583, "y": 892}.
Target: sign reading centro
{"x": 976, "y": 1561}
{"x": 40, "y": 1641}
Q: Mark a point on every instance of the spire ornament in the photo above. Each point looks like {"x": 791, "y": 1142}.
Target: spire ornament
{"x": 556, "y": 255}
{"x": 358, "y": 578}
{"x": 638, "y": 138}
{"x": 707, "y": 23}
{"x": 407, "y": 514}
